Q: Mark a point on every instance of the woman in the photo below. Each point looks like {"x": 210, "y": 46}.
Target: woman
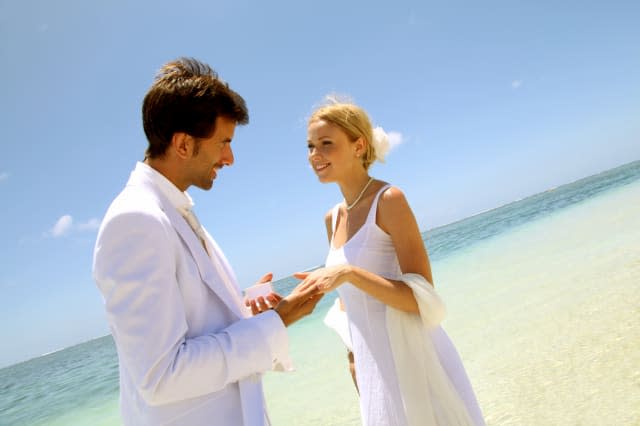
{"x": 407, "y": 370}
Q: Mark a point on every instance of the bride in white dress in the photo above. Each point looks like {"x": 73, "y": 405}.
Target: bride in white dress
{"x": 408, "y": 371}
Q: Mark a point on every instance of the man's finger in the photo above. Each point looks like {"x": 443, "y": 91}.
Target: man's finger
{"x": 262, "y": 304}
{"x": 254, "y": 308}
{"x": 266, "y": 278}
{"x": 274, "y": 298}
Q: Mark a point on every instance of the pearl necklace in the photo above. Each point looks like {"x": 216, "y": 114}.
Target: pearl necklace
{"x": 352, "y": 205}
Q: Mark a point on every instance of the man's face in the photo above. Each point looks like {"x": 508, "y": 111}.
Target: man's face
{"x": 214, "y": 153}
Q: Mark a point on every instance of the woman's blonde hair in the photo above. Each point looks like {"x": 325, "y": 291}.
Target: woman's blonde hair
{"x": 352, "y": 119}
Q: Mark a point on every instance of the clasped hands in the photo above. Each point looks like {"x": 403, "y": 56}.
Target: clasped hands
{"x": 302, "y": 299}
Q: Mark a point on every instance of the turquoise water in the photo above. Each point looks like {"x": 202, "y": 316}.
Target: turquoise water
{"x": 79, "y": 385}
{"x": 450, "y": 238}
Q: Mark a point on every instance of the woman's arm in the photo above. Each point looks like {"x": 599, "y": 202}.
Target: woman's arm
{"x": 396, "y": 218}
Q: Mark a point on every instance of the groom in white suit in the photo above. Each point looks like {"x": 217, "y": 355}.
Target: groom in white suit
{"x": 190, "y": 352}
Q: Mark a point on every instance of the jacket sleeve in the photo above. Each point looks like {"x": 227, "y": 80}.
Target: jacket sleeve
{"x": 135, "y": 269}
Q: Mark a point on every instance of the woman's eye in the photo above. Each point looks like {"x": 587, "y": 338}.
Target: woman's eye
{"x": 320, "y": 146}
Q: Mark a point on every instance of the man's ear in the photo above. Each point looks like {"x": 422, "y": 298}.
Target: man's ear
{"x": 182, "y": 145}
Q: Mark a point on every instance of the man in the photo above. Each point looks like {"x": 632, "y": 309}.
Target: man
{"x": 189, "y": 351}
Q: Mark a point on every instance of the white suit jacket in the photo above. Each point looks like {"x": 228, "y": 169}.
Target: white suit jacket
{"x": 188, "y": 354}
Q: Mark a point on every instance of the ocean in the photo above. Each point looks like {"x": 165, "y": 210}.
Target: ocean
{"x": 543, "y": 301}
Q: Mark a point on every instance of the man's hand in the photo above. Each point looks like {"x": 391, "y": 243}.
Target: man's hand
{"x": 298, "y": 304}
{"x": 263, "y": 303}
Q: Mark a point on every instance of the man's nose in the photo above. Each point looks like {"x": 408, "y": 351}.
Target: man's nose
{"x": 227, "y": 156}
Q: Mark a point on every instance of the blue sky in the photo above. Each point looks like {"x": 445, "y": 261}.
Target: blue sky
{"x": 493, "y": 101}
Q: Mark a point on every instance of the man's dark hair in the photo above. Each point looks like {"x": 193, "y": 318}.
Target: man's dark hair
{"x": 187, "y": 96}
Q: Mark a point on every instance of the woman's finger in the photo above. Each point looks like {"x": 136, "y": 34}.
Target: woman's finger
{"x": 304, "y": 285}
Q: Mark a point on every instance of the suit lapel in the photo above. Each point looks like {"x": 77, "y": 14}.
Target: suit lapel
{"x": 212, "y": 272}
{"x": 213, "y": 275}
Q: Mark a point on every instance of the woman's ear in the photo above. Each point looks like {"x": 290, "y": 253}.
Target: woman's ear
{"x": 360, "y": 147}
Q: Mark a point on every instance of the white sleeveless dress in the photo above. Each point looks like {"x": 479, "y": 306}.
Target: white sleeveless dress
{"x": 381, "y": 404}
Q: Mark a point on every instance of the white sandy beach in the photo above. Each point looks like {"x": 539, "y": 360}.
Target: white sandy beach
{"x": 549, "y": 331}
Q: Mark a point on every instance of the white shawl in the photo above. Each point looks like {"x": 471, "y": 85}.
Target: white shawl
{"x": 336, "y": 319}
{"x": 428, "y": 395}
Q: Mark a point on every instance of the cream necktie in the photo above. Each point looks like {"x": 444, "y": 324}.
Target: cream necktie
{"x": 193, "y": 221}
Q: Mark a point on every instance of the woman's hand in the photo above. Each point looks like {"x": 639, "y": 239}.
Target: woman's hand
{"x": 325, "y": 279}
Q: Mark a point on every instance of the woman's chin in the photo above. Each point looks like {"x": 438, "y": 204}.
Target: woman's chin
{"x": 324, "y": 179}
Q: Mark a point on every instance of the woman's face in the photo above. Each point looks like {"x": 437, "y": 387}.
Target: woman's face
{"x": 331, "y": 154}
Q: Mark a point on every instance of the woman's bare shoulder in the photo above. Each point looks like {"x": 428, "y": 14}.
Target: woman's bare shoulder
{"x": 392, "y": 199}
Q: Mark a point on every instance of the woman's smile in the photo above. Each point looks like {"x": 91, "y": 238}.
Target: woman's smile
{"x": 318, "y": 167}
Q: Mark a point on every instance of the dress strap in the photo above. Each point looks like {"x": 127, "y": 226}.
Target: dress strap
{"x": 374, "y": 206}
{"x": 334, "y": 219}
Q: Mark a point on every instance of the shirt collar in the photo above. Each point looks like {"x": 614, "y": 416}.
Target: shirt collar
{"x": 178, "y": 199}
